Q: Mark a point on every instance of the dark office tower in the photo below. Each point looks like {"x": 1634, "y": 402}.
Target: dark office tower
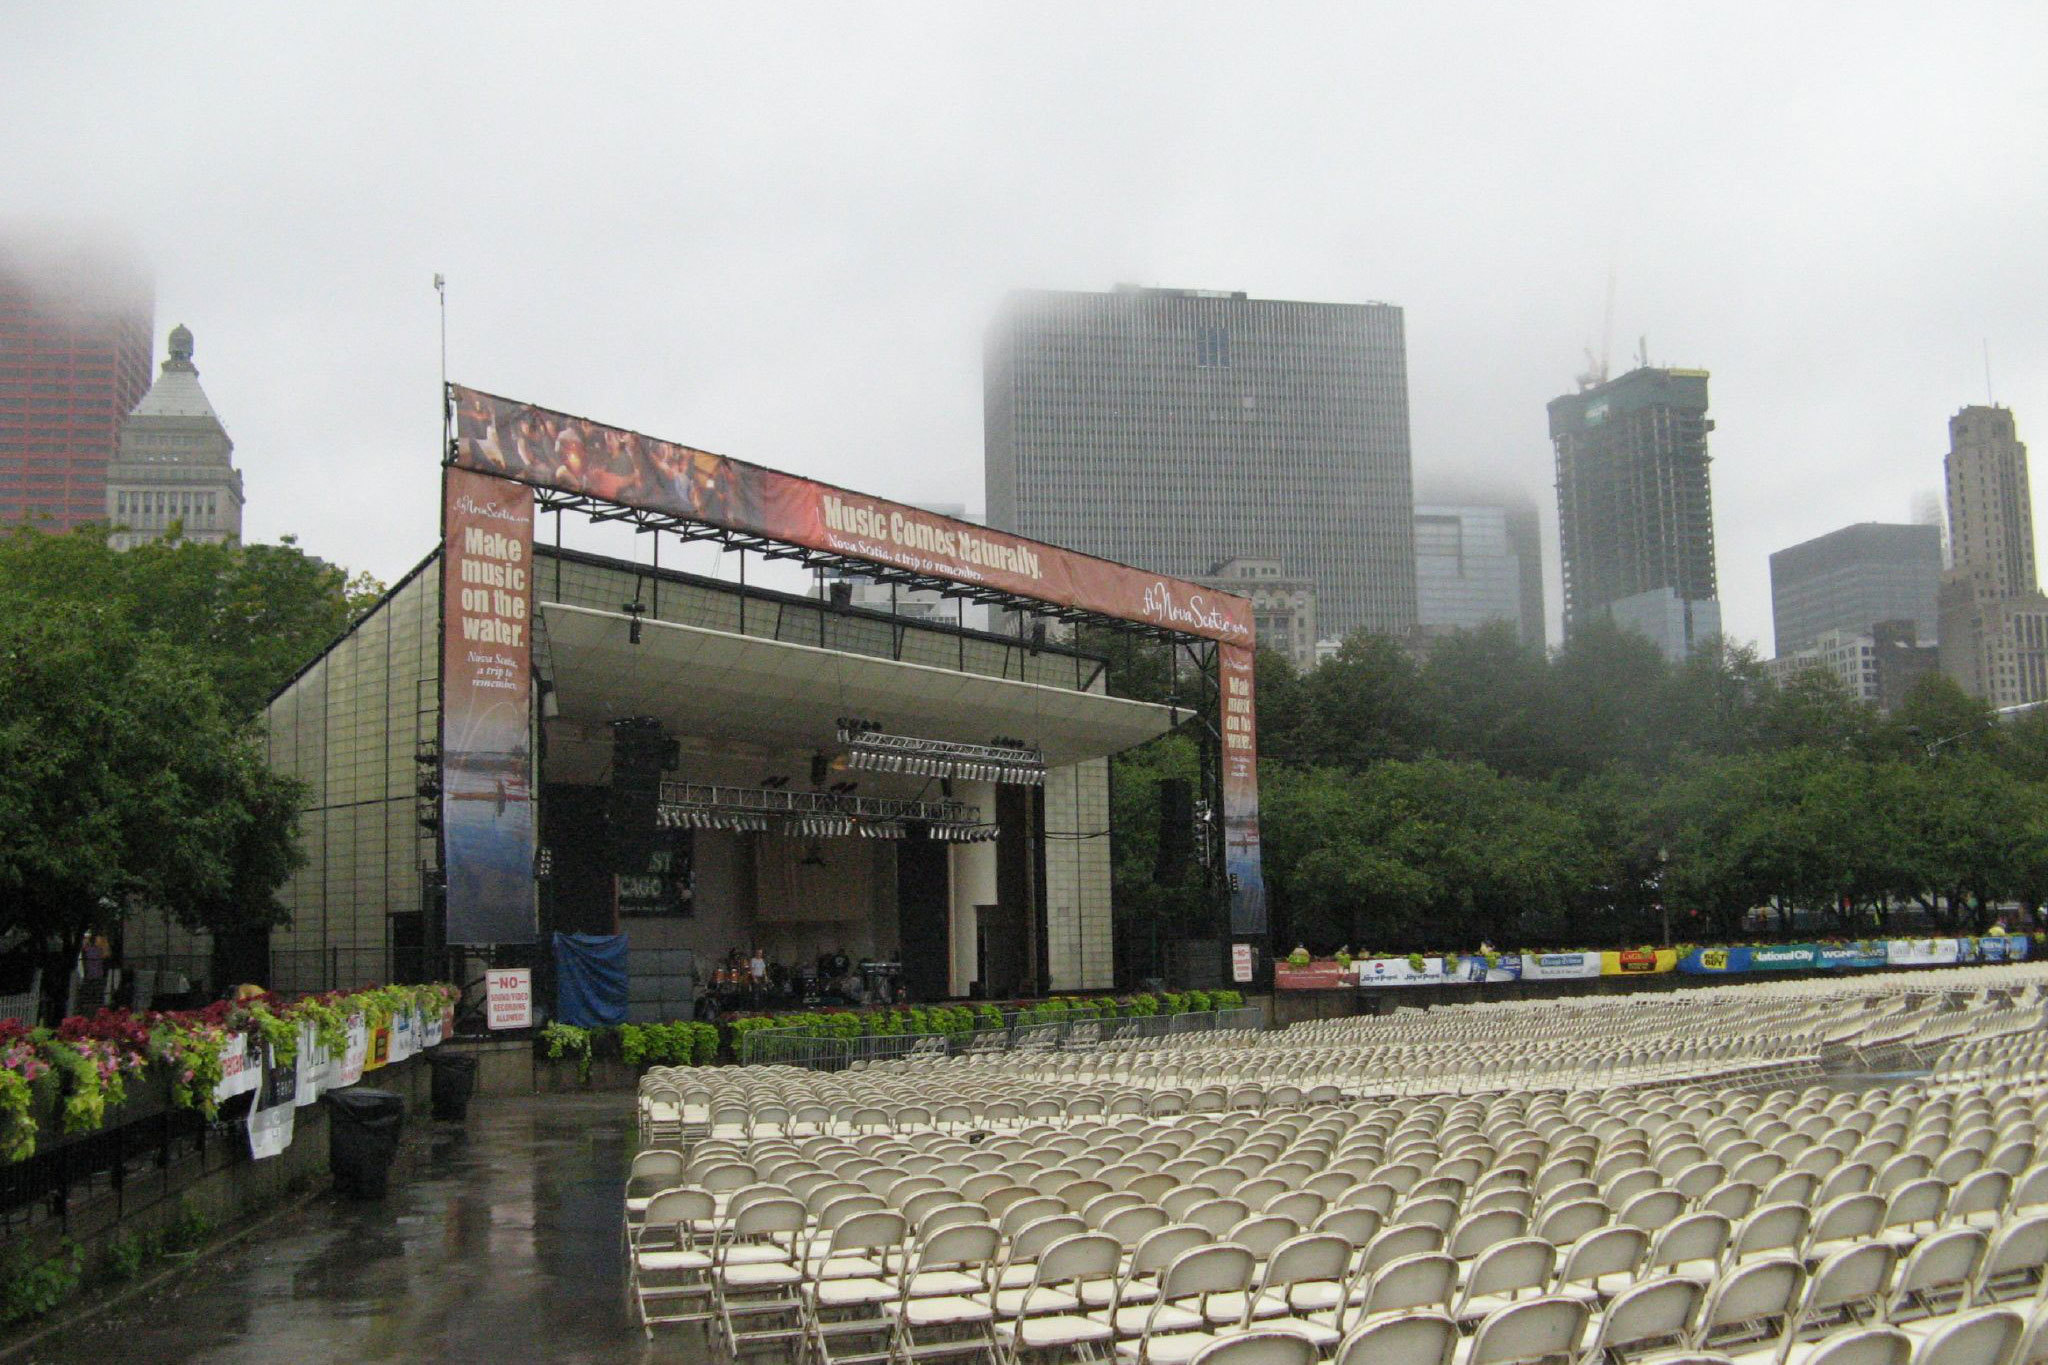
{"x": 1851, "y": 579}
{"x": 75, "y": 326}
{"x": 1634, "y": 513}
{"x": 1177, "y": 428}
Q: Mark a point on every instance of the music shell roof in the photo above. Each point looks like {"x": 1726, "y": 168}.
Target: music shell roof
{"x": 777, "y": 693}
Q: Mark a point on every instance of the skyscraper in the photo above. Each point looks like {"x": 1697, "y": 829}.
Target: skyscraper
{"x": 1176, "y": 428}
{"x": 1635, "y": 512}
{"x": 75, "y": 327}
{"x": 174, "y": 466}
{"x": 1475, "y": 564}
{"x": 1849, "y": 580}
{"x": 1994, "y": 621}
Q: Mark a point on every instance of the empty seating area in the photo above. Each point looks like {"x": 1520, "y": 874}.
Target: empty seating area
{"x": 1666, "y": 1210}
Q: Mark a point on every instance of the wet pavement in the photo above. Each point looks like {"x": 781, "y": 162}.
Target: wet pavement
{"x": 502, "y": 1246}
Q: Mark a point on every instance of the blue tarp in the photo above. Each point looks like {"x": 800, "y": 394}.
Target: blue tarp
{"x": 590, "y": 979}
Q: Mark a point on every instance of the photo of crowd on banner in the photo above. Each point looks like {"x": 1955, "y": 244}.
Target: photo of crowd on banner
{"x": 536, "y": 446}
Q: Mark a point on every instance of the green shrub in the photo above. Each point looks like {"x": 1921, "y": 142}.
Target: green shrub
{"x": 1226, "y": 1000}
{"x": 1196, "y": 1002}
{"x": 127, "y": 1255}
{"x": 188, "y": 1230}
{"x": 30, "y": 1288}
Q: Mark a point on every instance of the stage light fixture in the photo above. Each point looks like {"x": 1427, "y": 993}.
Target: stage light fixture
{"x": 1006, "y": 761}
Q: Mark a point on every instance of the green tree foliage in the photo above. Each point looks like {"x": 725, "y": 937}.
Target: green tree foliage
{"x": 130, "y": 772}
{"x": 250, "y": 614}
{"x": 1474, "y": 790}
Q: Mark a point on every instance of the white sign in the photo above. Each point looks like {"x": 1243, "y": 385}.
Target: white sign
{"x": 1240, "y": 962}
{"x": 402, "y": 1035}
{"x": 357, "y": 1052}
{"x": 241, "y": 1068}
{"x": 270, "y": 1114}
{"x": 1398, "y": 971}
{"x": 1923, "y": 952}
{"x": 1560, "y": 966}
{"x": 510, "y": 996}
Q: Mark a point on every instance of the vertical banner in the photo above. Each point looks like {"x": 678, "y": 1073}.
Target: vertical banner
{"x": 271, "y": 1120}
{"x": 486, "y": 730}
{"x": 1241, "y": 794}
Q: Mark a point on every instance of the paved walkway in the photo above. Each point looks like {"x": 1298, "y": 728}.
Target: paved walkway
{"x": 502, "y": 1247}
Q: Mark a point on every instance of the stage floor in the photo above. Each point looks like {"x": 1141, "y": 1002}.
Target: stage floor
{"x": 503, "y": 1245}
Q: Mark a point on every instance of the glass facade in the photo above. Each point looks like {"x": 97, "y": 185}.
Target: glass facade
{"x": 74, "y": 359}
{"x": 1851, "y": 579}
{"x": 1468, "y": 570}
{"x": 1172, "y": 429}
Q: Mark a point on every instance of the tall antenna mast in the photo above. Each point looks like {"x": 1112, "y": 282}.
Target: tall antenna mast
{"x": 441, "y": 288}
{"x": 1989, "y": 397}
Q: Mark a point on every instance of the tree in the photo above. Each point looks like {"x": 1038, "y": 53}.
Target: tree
{"x": 251, "y": 614}
{"x": 1364, "y": 705}
{"x": 1486, "y": 693}
{"x": 124, "y": 781}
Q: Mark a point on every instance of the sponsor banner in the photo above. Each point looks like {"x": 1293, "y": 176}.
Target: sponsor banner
{"x": 1241, "y": 795}
{"x": 533, "y": 445}
{"x": 486, "y": 730}
{"x": 403, "y": 1035}
{"x": 2002, "y": 948}
{"x": 1321, "y": 975}
{"x": 380, "y": 1048}
{"x": 271, "y": 1115}
{"x": 1505, "y": 967}
{"x": 1560, "y": 966}
{"x": 1374, "y": 972}
{"x": 357, "y": 1054}
{"x": 1923, "y": 952}
{"x": 1714, "y": 961}
{"x": 241, "y": 1068}
{"x": 430, "y": 1032}
{"x": 1849, "y": 955}
{"x": 1475, "y": 969}
{"x": 1784, "y": 957}
{"x": 1638, "y": 961}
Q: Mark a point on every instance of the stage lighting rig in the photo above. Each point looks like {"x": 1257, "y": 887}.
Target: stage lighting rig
{"x": 1007, "y": 761}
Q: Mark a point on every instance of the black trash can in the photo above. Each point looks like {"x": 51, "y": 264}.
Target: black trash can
{"x": 362, "y": 1138}
{"x": 454, "y": 1083}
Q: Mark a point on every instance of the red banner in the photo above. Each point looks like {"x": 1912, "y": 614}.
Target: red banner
{"x": 487, "y": 834}
{"x": 548, "y": 449}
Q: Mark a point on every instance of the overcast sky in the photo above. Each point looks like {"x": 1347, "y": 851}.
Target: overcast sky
{"x": 778, "y": 231}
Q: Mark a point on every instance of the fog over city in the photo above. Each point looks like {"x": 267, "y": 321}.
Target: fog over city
{"x": 780, "y": 231}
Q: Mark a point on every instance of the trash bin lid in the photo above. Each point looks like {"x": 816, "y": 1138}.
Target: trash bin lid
{"x": 359, "y": 1103}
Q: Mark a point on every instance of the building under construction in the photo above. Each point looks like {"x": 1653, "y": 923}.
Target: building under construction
{"x": 1634, "y": 510}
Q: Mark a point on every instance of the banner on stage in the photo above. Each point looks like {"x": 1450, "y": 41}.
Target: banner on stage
{"x": 1241, "y": 795}
{"x": 546, "y": 449}
{"x": 486, "y": 726}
